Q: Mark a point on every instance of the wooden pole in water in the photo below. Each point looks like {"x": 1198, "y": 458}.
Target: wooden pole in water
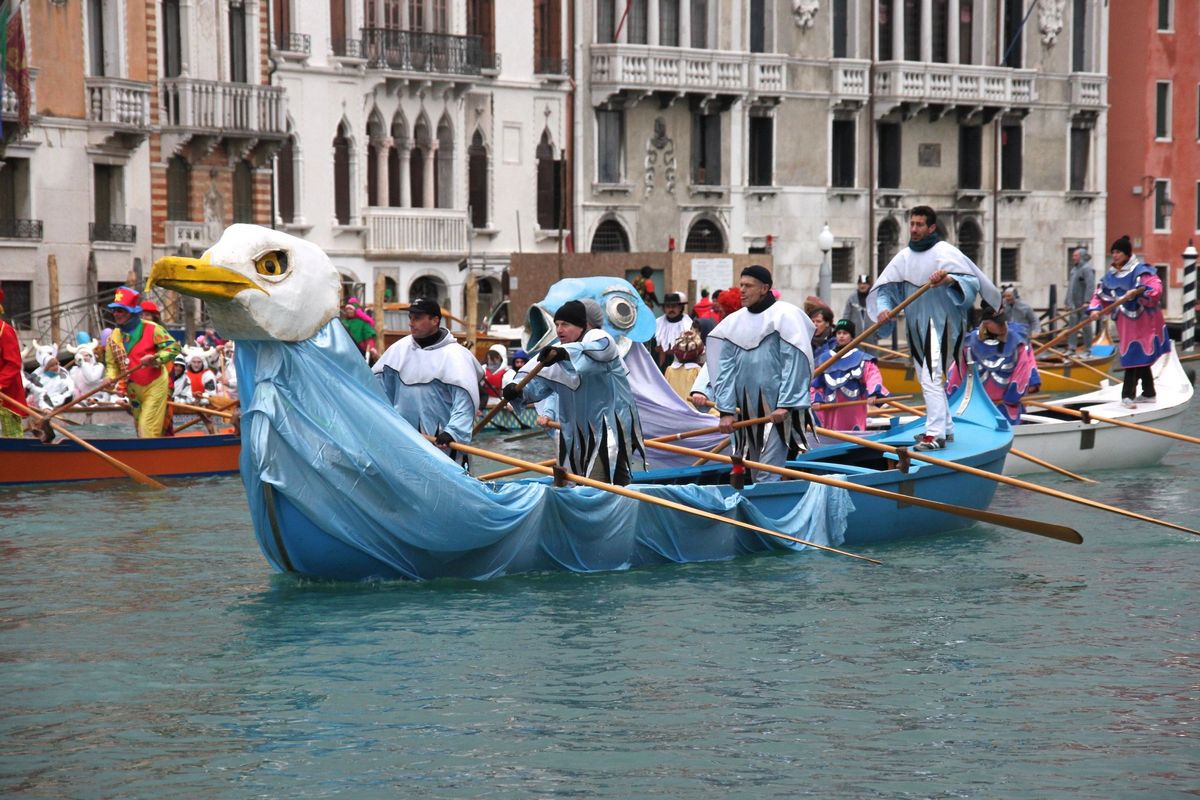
{"x": 52, "y": 279}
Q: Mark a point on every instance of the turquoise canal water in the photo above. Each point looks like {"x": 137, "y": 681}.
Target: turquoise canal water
{"x": 148, "y": 651}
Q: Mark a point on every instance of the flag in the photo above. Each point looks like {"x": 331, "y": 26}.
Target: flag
{"x": 17, "y": 67}
{"x": 4, "y": 12}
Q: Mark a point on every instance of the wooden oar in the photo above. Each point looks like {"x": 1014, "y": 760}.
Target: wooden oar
{"x": 106, "y": 385}
{"x": 646, "y": 498}
{"x": 718, "y": 447}
{"x": 841, "y": 351}
{"x": 1052, "y": 320}
{"x": 504, "y": 403}
{"x": 1191, "y": 357}
{"x": 1041, "y": 462}
{"x": 1048, "y": 529}
{"x": 201, "y": 410}
{"x": 1033, "y": 487}
{"x": 1080, "y": 363}
{"x": 1122, "y": 423}
{"x": 847, "y": 403}
{"x": 504, "y": 473}
{"x": 128, "y": 470}
{"x": 1018, "y": 453}
{"x": 1132, "y": 293}
{"x": 887, "y": 351}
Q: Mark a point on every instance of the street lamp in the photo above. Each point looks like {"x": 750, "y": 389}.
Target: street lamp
{"x": 825, "y": 277}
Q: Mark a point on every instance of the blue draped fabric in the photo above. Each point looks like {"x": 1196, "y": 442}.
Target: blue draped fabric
{"x": 350, "y": 475}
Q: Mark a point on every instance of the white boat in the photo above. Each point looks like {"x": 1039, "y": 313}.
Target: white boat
{"x": 1079, "y": 446}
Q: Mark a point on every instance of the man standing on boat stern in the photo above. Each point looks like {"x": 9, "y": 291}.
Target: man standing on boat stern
{"x": 148, "y": 349}
{"x": 1081, "y": 283}
{"x": 1140, "y": 324}
{"x": 937, "y": 320}
{"x": 760, "y": 360}
{"x": 431, "y": 379}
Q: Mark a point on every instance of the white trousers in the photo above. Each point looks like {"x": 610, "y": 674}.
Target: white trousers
{"x": 938, "y": 422}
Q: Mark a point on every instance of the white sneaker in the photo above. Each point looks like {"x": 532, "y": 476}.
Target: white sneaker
{"x": 1128, "y": 402}
{"x": 1141, "y": 398}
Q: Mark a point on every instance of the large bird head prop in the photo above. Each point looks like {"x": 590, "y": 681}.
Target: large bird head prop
{"x": 626, "y": 318}
{"x": 258, "y": 283}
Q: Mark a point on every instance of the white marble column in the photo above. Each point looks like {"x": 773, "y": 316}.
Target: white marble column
{"x": 382, "y": 146}
{"x": 427, "y": 194}
{"x": 405, "y": 175}
{"x": 952, "y": 32}
{"x": 927, "y": 30}
{"x": 898, "y": 30}
{"x": 685, "y": 23}
{"x": 652, "y": 34}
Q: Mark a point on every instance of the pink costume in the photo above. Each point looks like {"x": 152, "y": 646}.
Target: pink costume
{"x": 854, "y": 376}
{"x": 1007, "y": 369}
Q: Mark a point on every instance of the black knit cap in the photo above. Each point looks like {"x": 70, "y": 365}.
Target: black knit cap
{"x": 845, "y": 325}
{"x": 759, "y": 273}
{"x": 573, "y": 312}
{"x": 1124, "y": 245}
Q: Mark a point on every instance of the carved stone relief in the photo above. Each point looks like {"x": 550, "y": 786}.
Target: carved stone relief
{"x": 660, "y": 146}
{"x": 805, "y": 12}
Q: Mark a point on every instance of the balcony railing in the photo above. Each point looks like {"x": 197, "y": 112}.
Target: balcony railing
{"x": 244, "y": 109}
{"x": 413, "y": 51}
{"x": 1087, "y": 90}
{"x": 118, "y": 102}
{"x": 112, "y": 232}
{"x": 21, "y": 229}
{"x": 183, "y": 232}
{"x": 416, "y": 230}
{"x": 347, "y": 48}
{"x": 490, "y": 62}
{"x": 10, "y": 107}
{"x": 954, "y": 84}
{"x": 289, "y": 42}
{"x": 625, "y": 66}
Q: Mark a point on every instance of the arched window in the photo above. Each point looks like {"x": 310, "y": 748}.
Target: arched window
{"x": 243, "y": 192}
{"x": 970, "y": 240}
{"x": 179, "y": 188}
{"x": 428, "y": 286}
{"x": 477, "y": 181}
{"x": 887, "y": 237}
{"x": 443, "y": 181}
{"x": 399, "y": 140}
{"x": 704, "y": 237}
{"x": 341, "y": 175}
{"x": 285, "y": 181}
{"x": 549, "y": 185}
{"x": 416, "y": 164}
{"x": 610, "y": 237}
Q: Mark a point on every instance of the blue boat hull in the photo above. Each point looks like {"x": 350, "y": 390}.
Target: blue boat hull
{"x": 295, "y": 543}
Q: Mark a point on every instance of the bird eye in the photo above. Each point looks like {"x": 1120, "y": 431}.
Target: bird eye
{"x": 621, "y": 313}
{"x": 272, "y": 264}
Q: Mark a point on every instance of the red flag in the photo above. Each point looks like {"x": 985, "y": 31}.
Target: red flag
{"x": 17, "y": 69}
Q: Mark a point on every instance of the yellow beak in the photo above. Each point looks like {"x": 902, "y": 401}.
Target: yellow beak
{"x": 199, "y": 277}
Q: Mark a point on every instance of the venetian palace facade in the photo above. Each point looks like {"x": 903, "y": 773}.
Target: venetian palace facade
{"x": 422, "y": 142}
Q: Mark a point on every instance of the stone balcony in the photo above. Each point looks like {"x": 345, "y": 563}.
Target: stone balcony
{"x": 118, "y": 110}
{"x": 250, "y": 119}
{"x": 1088, "y": 91}
{"x": 10, "y": 109}
{"x": 416, "y": 231}
{"x": 638, "y": 70}
{"x": 913, "y": 86}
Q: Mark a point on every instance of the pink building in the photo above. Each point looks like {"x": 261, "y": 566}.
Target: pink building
{"x": 1154, "y": 134}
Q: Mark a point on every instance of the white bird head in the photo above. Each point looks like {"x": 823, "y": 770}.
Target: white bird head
{"x": 258, "y": 283}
